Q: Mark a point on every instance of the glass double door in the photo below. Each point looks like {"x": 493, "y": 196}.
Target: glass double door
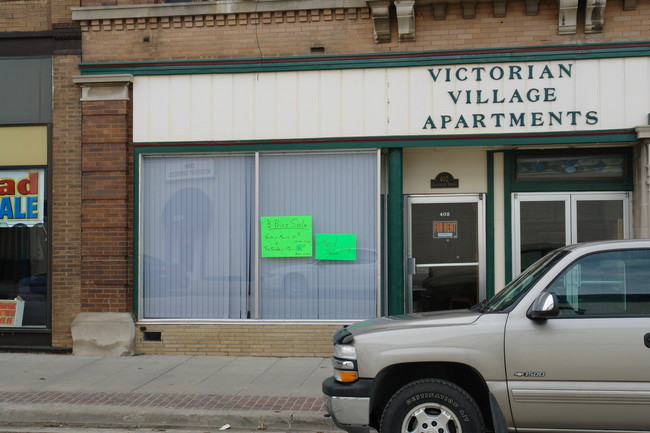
{"x": 546, "y": 221}
{"x": 446, "y": 263}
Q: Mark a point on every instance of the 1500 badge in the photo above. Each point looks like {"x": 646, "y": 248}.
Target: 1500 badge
{"x": 530, "y": 373}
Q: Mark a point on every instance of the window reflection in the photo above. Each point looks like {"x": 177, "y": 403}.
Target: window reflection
{"x": 23, "y": 270}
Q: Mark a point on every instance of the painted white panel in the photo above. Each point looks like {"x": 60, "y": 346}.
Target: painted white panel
{"x": 504, "y": 98}
{"x": 308, "y": 104}
{"x": 420, "y": 102}
{"x": 222, "y": 107}
{"x": 330, "y": 104}
{"x": 565, "y": 94}
{"x": 141, "y": 94}
{"x": 201, "y": 107}
{"x": 265, "y": 105}
{"x": 637, "y": 90}
{"x": 587, "y": 91}
{"x": 154, "y": 108}
{"x": 397, "y": 101}
{"x": 612, "y": 94}
{"x": 180, "y": 108}
{"x": 352, "y": 108}
{"x": 244, "y": 107}
{"x": 287, "y": 105}
{"x": 374, "y": 102}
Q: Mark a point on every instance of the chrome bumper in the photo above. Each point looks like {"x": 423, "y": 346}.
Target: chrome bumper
{"x": 349, "y": 413}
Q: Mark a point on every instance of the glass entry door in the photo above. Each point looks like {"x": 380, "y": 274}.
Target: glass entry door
{"x": 545, "y": 221}
{"x": 446, "y": 252}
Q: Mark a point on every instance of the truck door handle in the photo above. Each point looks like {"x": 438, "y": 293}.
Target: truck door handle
{"x": 646, "y": 340}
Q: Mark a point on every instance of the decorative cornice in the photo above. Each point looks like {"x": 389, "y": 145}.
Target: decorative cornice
{"x": 233, "y": 12}
{"x": 380, "y": 10}
{"x": 234, "y": 19}
{"x": 208, "y": 8}
{"x": 567, "y": 18}
{"x": 405, "y": 19}
{"x": 643, "y": 133}
{"x": 109, "y": 87}
{"x": 595, "y": 16}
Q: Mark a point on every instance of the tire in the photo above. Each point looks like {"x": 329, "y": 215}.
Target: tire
{"x": 431, "y": 406}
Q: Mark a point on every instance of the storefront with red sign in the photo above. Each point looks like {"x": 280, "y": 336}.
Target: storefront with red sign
{"x": 24, "y": 250}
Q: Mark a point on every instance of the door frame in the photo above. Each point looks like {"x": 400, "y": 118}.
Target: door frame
{"x": 479, "y": 199}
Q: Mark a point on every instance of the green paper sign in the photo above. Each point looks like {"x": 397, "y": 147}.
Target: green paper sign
{"x": 286, "y": 236}
{"x": 336, "y": 246}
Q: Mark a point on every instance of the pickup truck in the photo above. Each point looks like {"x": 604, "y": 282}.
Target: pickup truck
{"x": 565, "y": 347}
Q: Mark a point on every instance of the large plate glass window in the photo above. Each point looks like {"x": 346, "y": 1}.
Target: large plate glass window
{"x": 259, "y": 236}
{"x": 23, "y": 249}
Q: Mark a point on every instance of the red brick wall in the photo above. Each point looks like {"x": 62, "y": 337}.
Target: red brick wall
{"x": 65, "y": 179}
{"x": 106, "y": 228}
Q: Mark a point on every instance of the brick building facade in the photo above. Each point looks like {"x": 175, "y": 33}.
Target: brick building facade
{"x": 40, "y": 50}
{"x": 283, "y": 86}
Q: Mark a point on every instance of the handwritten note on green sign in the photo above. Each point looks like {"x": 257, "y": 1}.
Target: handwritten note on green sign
{"x": 336, "y": 246}
{"x": 286, "y": 236}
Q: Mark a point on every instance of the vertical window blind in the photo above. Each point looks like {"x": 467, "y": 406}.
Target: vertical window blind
{"x": 198, "y": 247}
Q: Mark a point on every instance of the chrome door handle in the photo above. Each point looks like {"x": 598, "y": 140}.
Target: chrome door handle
{"x": 410, "y": 265}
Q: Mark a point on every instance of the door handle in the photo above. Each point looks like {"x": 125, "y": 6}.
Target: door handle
{"x": 410, "y": 265}
{"x": 646, "y": 340}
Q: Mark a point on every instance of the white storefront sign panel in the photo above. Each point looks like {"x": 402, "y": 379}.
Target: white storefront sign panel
{"x": 504, "y": 98}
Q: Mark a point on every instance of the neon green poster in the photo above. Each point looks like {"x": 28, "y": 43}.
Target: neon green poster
{"x": 336, "y": 246}
{"x": 286, "y": 236}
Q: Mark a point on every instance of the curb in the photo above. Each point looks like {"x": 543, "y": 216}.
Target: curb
{"x": 103, "y": 417}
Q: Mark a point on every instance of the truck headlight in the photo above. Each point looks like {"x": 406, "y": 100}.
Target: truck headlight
{"x": 345, "y": 351}
{"x": 344, "y": 362}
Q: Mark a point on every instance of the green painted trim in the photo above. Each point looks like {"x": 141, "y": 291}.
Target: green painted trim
{"x": 395, "y": 216}
{"x": 489, "y": 228}
{"x": 465, "y": 140}
{"x": 375, "y": 60}
{"x": 508, "y": 158}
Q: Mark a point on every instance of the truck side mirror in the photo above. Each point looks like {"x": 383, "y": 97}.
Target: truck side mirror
{"x": 545, "y": 306}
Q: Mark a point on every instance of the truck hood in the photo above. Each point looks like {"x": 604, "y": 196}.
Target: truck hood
{"x": 414, "y": 320}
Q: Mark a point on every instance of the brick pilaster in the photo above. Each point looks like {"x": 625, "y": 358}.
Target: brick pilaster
{"x": 106, "y": 228}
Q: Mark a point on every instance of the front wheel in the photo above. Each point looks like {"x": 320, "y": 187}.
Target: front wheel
{"x": 431, "y": 406}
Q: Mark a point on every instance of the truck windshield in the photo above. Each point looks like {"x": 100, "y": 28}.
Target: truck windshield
{"x": 520, "y": 285}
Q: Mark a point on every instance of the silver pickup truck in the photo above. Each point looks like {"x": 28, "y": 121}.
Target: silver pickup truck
{"x": 565, "y": 347}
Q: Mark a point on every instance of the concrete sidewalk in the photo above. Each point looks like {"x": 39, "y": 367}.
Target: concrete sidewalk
{"x": 204, "y": 392}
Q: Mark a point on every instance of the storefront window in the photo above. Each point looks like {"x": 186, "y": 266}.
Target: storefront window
{"x": 205, "y": 253}
{"x": 23, "y": 249}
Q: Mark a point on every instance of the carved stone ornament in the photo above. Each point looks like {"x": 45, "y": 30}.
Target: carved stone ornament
{"x": 567, "y": 17}
{"x": 380, "y": 20}
{"x": 405, "y": 19}
{"x": 595, "y": 16}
